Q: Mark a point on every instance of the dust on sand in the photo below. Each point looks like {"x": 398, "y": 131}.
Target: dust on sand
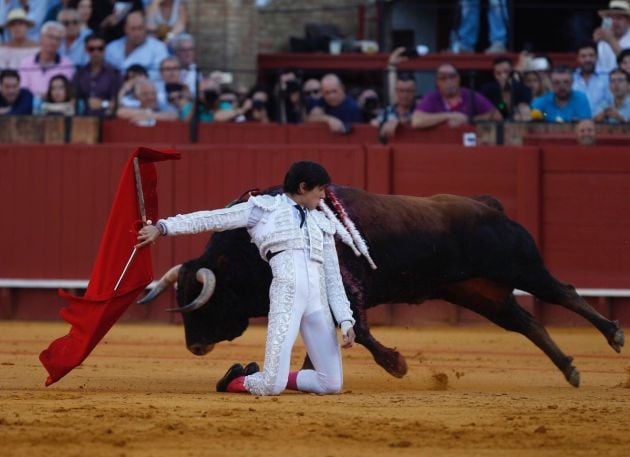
{"x": 473, "y": 391}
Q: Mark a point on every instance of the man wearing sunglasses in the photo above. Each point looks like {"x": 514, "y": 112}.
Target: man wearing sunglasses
{"x": 97, "y": 83}
{"x": 72, "y": 46}
{"x": 562, "y": 104}
{"x": 451, "y": 103}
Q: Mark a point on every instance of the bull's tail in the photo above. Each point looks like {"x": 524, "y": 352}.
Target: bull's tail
{"x": 490, "y": 201}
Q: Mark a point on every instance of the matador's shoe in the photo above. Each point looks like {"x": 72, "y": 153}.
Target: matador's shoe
{"x": 251, "y": 368}
{"x": 233, "y": 372}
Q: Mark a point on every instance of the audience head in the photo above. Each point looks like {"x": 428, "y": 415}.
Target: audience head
{"x": 170, "y": 70}
{"x": 51, "y": 35}
{"x": 95, "y": 47}
{"x": 619, "y": 82}
{"x": 619, "y": 12}
{"x": 561, "y": 82}
{"x": 585, "y": 134}
{"x": 502, "y": 69}
{"x": 18, "y": 24}
{"x": 59, "y": 90}
{"x": 184, "y": 48}
{"x": 623, "y": 60}
{"x": 84, "y": 8}
{"x": 405, "y": 90}
{"x": 312, "y": 89}
{"x": 135, "y": 28}
{"x": 146, "y": 92}
{"x": 69, "y": 18}
{"x": 333, "y": 91}
{"x": 447, "y": 80}
{"x": 587, "y": 57}
{"x": 533, "y": 80}
{"x": 136, "y": 71}
{"x": 9, "y": 85}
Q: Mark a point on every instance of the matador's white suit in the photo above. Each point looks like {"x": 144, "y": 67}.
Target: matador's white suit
{"x": 306, "y": 286}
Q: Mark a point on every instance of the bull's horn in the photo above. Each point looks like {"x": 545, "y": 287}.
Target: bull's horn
{"x": 169, "y": 278}
{"x": 209, "y": 281}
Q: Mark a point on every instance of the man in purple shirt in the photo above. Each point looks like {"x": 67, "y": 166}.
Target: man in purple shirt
{"x": 97, "y": 83}
{"x": 37, "y": 71}
{"x": 452, "y": 103}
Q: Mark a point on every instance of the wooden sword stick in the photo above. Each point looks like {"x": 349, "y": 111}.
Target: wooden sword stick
{"x": 143, "y": 216}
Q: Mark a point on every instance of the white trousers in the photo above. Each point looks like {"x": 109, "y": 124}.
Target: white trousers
{"x": 298, "y": 304}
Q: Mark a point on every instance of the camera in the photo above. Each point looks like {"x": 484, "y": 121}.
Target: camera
{"x": 210, "y": 97}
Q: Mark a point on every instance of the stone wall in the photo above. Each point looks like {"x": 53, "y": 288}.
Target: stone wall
{"x": 230, "y": 33}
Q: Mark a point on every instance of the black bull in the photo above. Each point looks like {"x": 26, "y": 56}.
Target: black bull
{"x": 462, "y": 250}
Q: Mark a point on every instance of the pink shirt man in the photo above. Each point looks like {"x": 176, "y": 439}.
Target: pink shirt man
{"x": 36, "y": 77}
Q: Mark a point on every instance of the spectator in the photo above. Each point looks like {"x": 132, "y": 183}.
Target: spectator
{"x": 312, "y": 92}
{"x": 170, "y": 73}
{"x": 370, "y": 105}
{"x": 13, "y": 99}
{"x": 259, "y": 109}
{"x": 167, "y": 18}
{"x": 37, "y": 71}
{"x": 623, "y": 60}
{"x": 97, "y": 83}
{"x": 401, "y": 110}
{"x": 59, "y": 98}
{"x": 612, "y": 38}
{"x": 507, "y": 93}
{"x": 36, "y": 11}
{"x": 136, "y": 47}
{"x": 19, "y": 46}
{"x": 562, "y": 104}
{"x": 84, "y": 8}
{"x": 52, "y": 14}
{"x": 290, "y": 101}
{"x": 208, "y": 100}
{"x": 533, "y": 81}
{"x": 335, "y": 108}
{"x": 73, "y": 44}
{"x": 617, "y": 109}
{"x": 127, "y": 94}
{"x": 179, "y": 96}
{"x": 148, "y": 112}
{"x": 228, "y": 109}
{"x": 466, "y": 36}
{"x": 108, "y": 16}
{"x": 184, "y": 49}
{"x": 589, "y": 81}
{"x": 451, "y": 103}
{"x": 585, "y": 133}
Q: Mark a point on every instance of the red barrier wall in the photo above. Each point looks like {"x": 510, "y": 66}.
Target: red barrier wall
{"x": 574, "y": 201}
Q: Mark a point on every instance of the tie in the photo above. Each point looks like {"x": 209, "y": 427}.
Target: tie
{"x": 302, "y": 215}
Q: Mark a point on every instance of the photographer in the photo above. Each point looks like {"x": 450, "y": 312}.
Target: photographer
{"x": 178, "y": 96}
{"x": 291, "y": 103}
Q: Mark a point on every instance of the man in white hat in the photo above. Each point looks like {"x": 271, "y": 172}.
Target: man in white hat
{"x": 614, "y": 34}
{"x": 19, "y": 46}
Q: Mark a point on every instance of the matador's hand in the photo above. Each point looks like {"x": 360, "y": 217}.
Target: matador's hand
{"x": 147, "y": 234}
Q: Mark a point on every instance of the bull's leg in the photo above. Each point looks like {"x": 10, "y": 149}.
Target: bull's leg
{"x": 498, "y": 304}
{"x": 390, "y": 359}
{"x": 517, "y": 319}
{"x": 548, "y": 289}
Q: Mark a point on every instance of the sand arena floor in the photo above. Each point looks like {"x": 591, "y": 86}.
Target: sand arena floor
{"x": 469, "y": 392}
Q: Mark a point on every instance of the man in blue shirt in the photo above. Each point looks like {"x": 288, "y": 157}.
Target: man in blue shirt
{"x": 335, "y": 108}
{"x": 562, "y": 104}
{"x": 13, "y": 100}
{"x": 136, "y": 47}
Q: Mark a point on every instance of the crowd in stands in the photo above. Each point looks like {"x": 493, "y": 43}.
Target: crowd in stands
{"x": 135, "y": 60}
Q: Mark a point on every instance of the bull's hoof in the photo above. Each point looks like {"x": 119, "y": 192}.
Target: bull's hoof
{"x": 618, "y": 339}
{"x": 573, "y": 376}
{"x": 394, "y": 363}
